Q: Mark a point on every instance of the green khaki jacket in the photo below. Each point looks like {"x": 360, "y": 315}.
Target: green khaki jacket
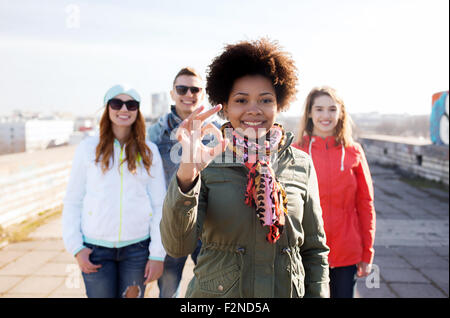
{"x": 236, "y": 260}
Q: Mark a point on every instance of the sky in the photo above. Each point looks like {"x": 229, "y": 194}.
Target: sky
{"x": 385, "y": 56}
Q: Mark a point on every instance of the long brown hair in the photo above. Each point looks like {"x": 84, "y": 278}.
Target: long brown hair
{"x": 343, "y": 129}
{"x": 136, "y": 150}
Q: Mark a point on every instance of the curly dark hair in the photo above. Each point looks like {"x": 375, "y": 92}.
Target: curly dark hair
{"x": 259, "y": 57}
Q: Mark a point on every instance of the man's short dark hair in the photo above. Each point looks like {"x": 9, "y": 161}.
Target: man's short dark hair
{"x": 189, "y": 71}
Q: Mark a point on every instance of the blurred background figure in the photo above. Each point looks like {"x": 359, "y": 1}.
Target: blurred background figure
{"x": 188, "y": 94}
{"x": 113, "y": 203}
{"x": 345, "y": 187}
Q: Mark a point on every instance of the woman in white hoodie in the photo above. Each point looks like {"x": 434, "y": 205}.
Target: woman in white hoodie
{"x": 113, "y": 203}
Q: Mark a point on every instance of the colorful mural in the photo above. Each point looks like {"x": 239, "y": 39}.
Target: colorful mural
{"x": 439, "y": 119}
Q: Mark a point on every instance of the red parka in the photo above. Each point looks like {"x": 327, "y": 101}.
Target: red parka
{"x": 346, "y": 197}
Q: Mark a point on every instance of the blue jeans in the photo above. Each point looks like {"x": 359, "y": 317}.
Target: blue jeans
{"x": 342, "y": 282}
{"x": 169, "y": 282}
{"x": 121, "y": 268}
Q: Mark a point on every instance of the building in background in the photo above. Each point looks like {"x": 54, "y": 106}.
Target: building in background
{"x": 83, "y": 126}
{"x": 160, "y": 105}
{"x": 12, "y": 136}
{"x": 34, "y": 134}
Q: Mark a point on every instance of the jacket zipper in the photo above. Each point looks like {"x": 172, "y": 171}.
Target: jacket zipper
{"x": 121, "y": 192}
{"x": 329, "y": 173}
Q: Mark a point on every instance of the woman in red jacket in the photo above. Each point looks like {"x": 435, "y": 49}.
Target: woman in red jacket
{"x": 345, "y": 187}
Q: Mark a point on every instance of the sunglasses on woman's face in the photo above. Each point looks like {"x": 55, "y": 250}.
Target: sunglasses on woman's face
{"x": 117, "y": 104}
{"x": 182, "y": 90}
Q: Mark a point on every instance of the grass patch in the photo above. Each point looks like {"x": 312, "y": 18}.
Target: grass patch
{"x": 423, "y": 183}
{"x": 19, "y": 232}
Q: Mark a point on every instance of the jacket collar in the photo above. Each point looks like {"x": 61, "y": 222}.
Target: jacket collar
{"x": 173, "y": 120}
{"x": 117, "y": 144}
{"x": 328, "y": 142}
{"x": 321, "y": 143}
{"x": 170, "y": 121}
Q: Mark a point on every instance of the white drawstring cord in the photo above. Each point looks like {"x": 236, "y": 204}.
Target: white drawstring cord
{"x": 310, "y": 144}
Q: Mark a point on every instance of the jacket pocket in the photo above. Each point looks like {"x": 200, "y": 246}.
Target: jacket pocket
{"x": 221, "y": 282}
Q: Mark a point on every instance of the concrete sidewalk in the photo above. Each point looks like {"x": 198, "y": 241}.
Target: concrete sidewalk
{"x": 42, "y": 267}
{"x": 411, "y": 250}
{"x": 411, "y": 242}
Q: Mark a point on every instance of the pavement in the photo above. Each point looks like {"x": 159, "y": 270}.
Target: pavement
{"x": 411, "y": 250}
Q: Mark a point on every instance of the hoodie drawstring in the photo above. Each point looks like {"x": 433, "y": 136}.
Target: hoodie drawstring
{"x": 310, "y": 144}
{"x": 342, "y": 156}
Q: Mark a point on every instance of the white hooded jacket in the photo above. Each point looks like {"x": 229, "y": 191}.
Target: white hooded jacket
{"x": 116, "y": 208}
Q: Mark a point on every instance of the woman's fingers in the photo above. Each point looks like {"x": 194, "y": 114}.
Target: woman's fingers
{"x": 363, "y": 269}
{"x": 186, "y": 126}
{"x": 154, "y": 270}
{"x": 88, "y": 267}
{"x": 209, "y": 112}
{"x": 190, "y": 134}
{"x": 94, "y": 266}
{"x": 91, "y": 268}
{"x": 190, "y": 119}
{"x": 196, "y": 119}
{"x": 182, "y": 134}
{"x": 219, "y": 147}
{"x": 193, "y": 123}
{"x": 147, "y": 273}
{"x": 210, "y": 128}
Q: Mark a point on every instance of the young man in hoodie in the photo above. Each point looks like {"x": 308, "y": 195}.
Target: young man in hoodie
{"x": 188, "y": 94}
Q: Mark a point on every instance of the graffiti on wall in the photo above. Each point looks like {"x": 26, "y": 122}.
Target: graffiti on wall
{"x": 439, "y": 119}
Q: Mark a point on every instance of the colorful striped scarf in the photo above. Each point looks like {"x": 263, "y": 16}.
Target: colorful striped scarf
{"x": 263, "y": 191}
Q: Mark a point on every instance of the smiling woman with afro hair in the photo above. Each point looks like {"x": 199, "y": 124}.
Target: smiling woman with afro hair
{"x": 258, "y": 214}
{"x": 259, "y": 57}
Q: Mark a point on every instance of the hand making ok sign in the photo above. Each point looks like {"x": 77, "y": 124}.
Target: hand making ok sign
{"x": 196, "y": 156}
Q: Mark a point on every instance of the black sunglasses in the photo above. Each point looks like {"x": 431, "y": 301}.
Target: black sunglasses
{"x": 117, "y": 104}
{"x": 182, "y": 90}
